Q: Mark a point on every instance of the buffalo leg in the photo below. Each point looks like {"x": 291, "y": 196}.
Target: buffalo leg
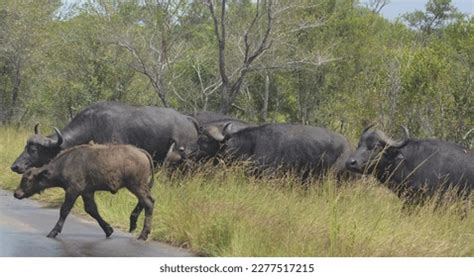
{"x": 65, "y": 209}
{"x": 148, "y": 203}
{"x": 134, "y": 216}
{"x": 145, "y": 201}
{"x": 91, "y": 208}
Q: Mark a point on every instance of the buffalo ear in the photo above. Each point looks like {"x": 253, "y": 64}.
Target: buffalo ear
{"x": 392, "y": 152}
{"x": 44, "y": 173}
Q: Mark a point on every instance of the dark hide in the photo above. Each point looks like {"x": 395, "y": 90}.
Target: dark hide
{"x": 414, "y": 169}
{"x": 303, "y": 149}
{"x": 150, "y": 128}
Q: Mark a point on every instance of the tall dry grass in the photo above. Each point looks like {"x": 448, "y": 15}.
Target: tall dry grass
{"x": 220, "y": 211}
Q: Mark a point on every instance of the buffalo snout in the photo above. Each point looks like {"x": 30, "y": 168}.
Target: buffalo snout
{"x": 353, "y": 165}
{"x": 17, "y": 169}
{"x": 19, "y": 194}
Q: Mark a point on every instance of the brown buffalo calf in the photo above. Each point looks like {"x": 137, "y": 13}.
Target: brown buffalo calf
{"x": 85, "y": 169}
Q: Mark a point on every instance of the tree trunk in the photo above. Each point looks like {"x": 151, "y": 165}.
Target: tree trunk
{"x": 265, "y": 98}
{"x": 226, "y": 101}
{"x": 160, "y": 91}
{"x": 15, "y": 92}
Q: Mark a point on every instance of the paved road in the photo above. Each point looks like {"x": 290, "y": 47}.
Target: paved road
{"x": 24, "y": 225}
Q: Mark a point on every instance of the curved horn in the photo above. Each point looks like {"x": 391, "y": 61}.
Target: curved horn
{"x": 171, "y": 149}
{"x": 170, "y": 155}
{"x": 399, "y": 144}
{"x": 367, "y": 128}
{"x": 60, "y": 137}
{"x": 403, "y": 142}
{"x": 227, "y": 130}
{"x": 214, "y": 133}
{"x": 37, "y": 132}
{"x": 405, "y": 131}
{"x": 389, "y": 142}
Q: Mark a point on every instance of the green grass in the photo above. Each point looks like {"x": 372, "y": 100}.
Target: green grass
{"x": 222, "y": 212}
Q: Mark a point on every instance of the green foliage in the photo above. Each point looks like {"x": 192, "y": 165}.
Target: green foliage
{"x": 331, "y": 63}
{"x": 437, "y": 14}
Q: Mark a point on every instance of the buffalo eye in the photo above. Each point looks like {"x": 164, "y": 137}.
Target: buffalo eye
{"x": 33, "y": 150}
{"x": 380, "y": 145}
{"x": 373, "y": 146}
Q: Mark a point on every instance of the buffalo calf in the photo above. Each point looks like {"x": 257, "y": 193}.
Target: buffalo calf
{"x": 83, "y": 170}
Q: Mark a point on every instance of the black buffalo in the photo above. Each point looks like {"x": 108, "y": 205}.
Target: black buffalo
{"x": 302, "y": 149}
{"x": 212, "y": 126}
{"x": 150, "y": 128}
{"x": 413, "y": 168}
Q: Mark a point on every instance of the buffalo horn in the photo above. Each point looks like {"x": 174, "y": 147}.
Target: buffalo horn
{"x": 227, "y": 130}
{"x": 60, "y": 137}
{"x": 213, "y": 132}
{"x": 405, "y": 131}
{"x": 368, "y": 127}
{"x": 404, "y": 141}
{"x": 37, "y": 132}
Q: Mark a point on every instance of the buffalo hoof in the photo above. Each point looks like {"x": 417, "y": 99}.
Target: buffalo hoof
{"x": 108, "y": 231}
{"x": 53, "y": 234}
{"x": 143, "y": 236}
{"x": 132, "y": 227}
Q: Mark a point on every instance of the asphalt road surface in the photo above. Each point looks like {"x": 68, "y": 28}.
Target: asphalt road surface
{"x": 24, "y": 225}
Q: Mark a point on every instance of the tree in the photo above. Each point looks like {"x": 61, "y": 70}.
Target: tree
{"x": 252, "y": 49}
{"x": 377, "y": 5}
{"x": 438, "y": 13}
{"x": 22, "y": 24}
{"x": 154, "y": 40}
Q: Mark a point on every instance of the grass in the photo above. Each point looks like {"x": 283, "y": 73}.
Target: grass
{"x": 219, "y": 211}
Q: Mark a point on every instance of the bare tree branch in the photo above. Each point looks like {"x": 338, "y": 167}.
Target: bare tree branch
{"x": 377, "y": 5}
{"x": 230, "y": 89}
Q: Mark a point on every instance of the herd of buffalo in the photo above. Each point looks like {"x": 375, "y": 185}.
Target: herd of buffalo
{"x": 111, "y": 145}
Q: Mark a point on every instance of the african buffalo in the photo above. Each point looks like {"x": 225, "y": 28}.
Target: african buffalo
{"x": 303, "y": 149}
{"x": 212, "y": 125}
{"x": 150, "y": 128}
{"x": 82, "y": 170}
{"x": 413, "y": 168}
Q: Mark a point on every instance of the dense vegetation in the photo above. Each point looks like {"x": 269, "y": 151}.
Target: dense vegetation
{"x": 222, "y": 212}
{"x": 330, "y": 63}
